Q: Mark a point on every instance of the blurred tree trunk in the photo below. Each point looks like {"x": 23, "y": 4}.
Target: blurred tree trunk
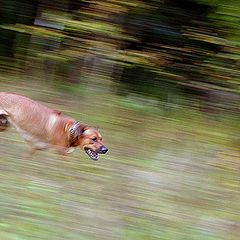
{"x": 45, "y": 45}
{"x": 98, "y": 64}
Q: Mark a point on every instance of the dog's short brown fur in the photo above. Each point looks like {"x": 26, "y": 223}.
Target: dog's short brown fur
{"x": 43, "y": 127}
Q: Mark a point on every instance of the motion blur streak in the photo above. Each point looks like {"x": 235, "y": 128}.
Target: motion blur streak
{"x": 161, "y": 80}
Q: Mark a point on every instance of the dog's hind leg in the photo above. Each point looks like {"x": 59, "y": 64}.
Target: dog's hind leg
{"x": 4, "y": 123}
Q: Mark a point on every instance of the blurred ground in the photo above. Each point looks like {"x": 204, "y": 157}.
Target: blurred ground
{"x": 172, "y": 172}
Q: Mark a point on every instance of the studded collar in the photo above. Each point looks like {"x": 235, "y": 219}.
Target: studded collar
{"x": 74, "y": 131}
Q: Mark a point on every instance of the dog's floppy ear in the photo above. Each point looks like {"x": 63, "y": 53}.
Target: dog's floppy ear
{"x": 76, "y": 130}
{"x": 82, "y": 128}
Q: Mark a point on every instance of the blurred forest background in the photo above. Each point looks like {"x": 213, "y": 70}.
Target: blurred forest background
{"x": 161, "y": 80}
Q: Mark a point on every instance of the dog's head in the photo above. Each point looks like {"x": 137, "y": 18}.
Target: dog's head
{"x": 89, "y": 139}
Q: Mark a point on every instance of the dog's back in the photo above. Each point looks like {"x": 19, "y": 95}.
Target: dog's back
{"x": 25, "y": 114}
{"x": 34, "y": 121}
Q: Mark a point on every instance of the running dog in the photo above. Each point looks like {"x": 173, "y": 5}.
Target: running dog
{"x": 42, "y": 127}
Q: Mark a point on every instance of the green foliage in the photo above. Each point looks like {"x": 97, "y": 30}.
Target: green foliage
{"x": 173, "y": 39}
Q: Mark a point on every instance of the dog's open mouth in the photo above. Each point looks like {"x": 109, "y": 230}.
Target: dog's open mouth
{"x": 92, "y": 154}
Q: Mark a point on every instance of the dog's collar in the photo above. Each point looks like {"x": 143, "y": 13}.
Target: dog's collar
{"x": 75, "y": 128}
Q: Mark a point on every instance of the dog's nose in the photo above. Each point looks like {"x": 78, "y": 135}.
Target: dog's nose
{"x": 103, "y": 149}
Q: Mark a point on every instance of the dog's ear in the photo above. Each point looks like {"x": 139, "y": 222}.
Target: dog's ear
{"x": 82, "y": 128}
{"x": 76, "y": 131}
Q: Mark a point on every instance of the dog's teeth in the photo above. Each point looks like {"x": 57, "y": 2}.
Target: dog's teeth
{"x": 92, "y": 154}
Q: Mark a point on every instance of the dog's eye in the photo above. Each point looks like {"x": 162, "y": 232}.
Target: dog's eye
{"x": 94, "y": 139}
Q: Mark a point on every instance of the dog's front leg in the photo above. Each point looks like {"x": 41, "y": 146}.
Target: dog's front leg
{"x": 33, "y": 151}
{"x": 60, "y": 150}
{"x": 29, "y": 154}
{"x": 36, "y": 146}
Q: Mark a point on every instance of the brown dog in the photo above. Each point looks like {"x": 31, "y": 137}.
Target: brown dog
{"x": 43, "y": 127}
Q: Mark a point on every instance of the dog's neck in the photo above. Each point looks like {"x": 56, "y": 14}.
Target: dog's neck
{"x": 73, "y": 132}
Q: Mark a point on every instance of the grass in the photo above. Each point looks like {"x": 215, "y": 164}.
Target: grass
{"x": 168, "y": 175}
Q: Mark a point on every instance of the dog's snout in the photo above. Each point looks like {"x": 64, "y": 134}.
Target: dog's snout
{"x": 103, "y": 149}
